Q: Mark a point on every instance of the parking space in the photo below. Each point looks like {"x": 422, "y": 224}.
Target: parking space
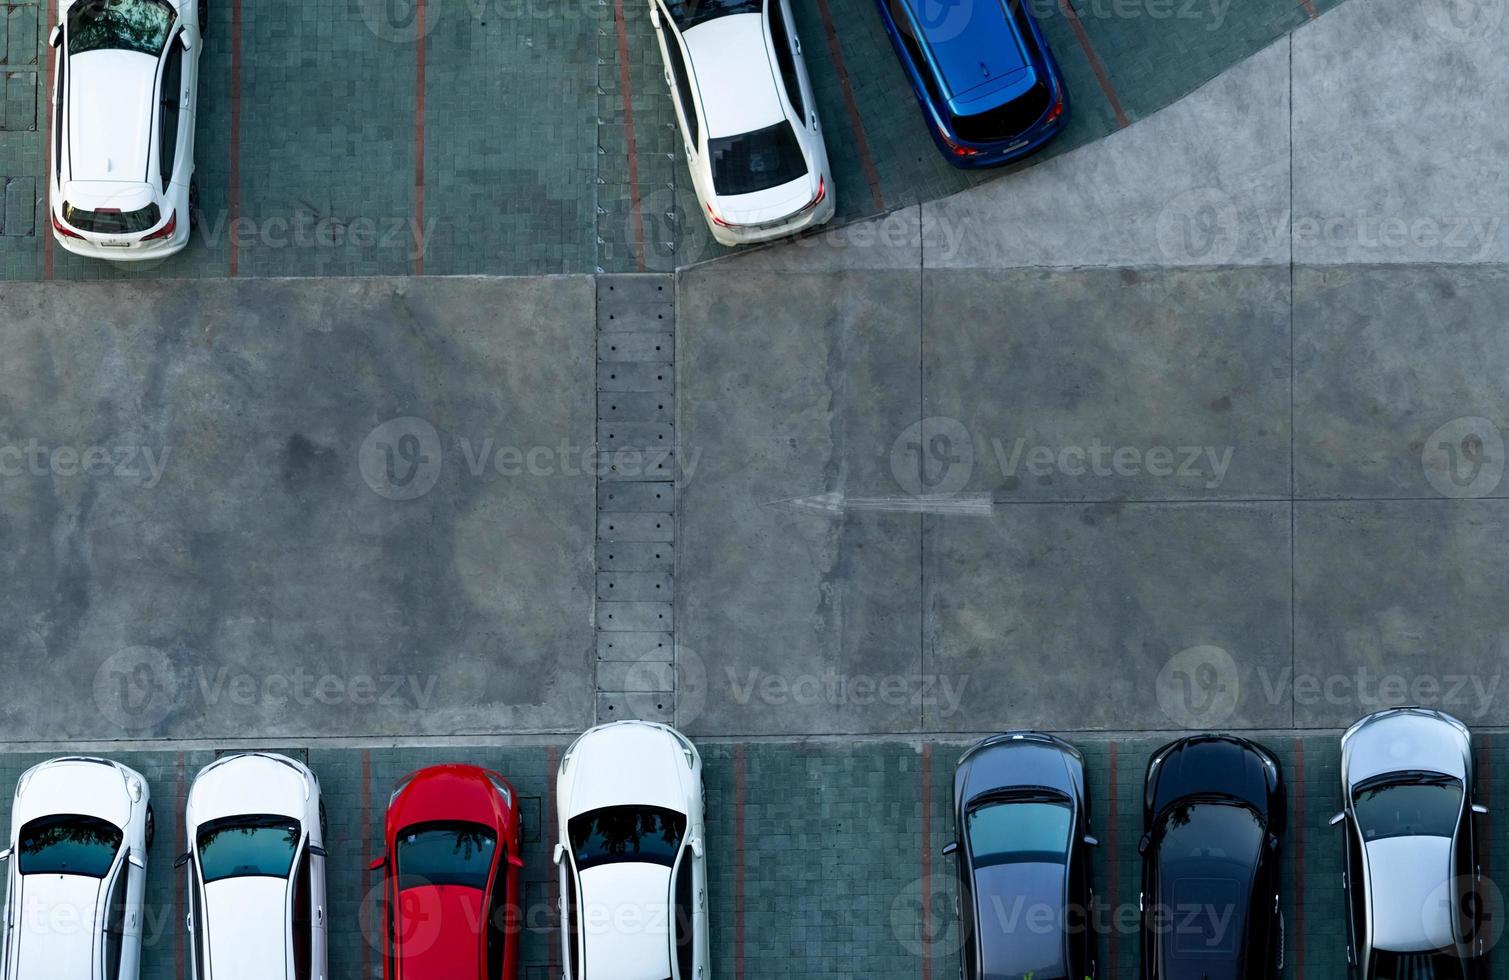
{"x": 273, "y": 507}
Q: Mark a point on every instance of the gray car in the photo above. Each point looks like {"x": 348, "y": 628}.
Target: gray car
{"x": 1412, "y": 874}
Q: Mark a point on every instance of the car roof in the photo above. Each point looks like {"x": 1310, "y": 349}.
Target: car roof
{"x": 248, "y": 923}
{"x": 1026, "y": 944}
{"x": 112, "y": 95}
{"x": 972, "y": 43}
{"x": 1409, "y": 882}
{"x": 45, "y": 948}
{"x": 735, "y": 80}
{"x": 641, "y": 949}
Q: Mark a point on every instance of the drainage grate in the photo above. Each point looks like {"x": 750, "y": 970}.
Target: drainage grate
{"x": 636, "y": 498}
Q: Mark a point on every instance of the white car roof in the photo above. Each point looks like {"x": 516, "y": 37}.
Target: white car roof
{"x": 94, "y": 789}
{"x": 246, "y": 784}
{"x": 111, "y": 97}
{"x": 55, "y": 928}
{"x": 626, "y": 765}
{"x": 734, "y": 76}
{"x": 1409, "y": 886}
{"x": 248, "y": 927}
{"x": 626, "y": 921}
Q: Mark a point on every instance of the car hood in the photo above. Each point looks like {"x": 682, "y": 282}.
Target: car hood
{"x": 1211, "y": 766}
{"x": 1408, "y": 881}
{"x": 1015, "y": 763}
{"x": 625, "y": 765}
{"x": 111, "y": 95}
{"x": 439, "y": 927}
{"x": 86, "y": 788}
{"x": 248, "y": 927}
{"x": 734, "y": 76}
{"x": 247, "y": 784}
{"x": 626, "y": 921}
{"x": 1019, "y": 912}
{"x": 58, "y": 908}
{"x": 1405, "y": 740}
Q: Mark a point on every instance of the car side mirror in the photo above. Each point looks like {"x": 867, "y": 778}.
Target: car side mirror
{"x": 515, "y": 861}
{"x": 378, "y": 863}
{"x": 1338, "y": 818}
{"x": 1273, "y": 842}
{"x": 655, "y": 16}
{"x": 1479, "y": 808}
{"x": 181, "y": 860}
{"x": 696, "y": 845}
{"x": 55, "y": 36}
{"x": 316, "y": 850}
{"x": 1144, "y": 843}
{"x": 135, "y": 861}
{"x": 951, "y": 847}
{"x": 5, "y": 855}
{"x": 559, "y": 857}
{"x": 1092, "y": 841}
{"x": 184, "y": 42}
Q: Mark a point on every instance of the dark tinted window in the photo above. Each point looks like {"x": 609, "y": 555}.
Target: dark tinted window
{"x": 626, "y": 833}
{"x": 914, "y": 50}
{"x": 130, "y": 25}
{"x": 1415, "y": 966}
{"x": 1007, "y": 121}
{"x": 446, "y": 853}
{"x": 1416, "y": 805}
{"x": 683, "y": 88}
{"x": 1006, "y": 833}
{"x": 689, "y": 13}
{"x": 756, "y": 161}
{"x": 500, "y": 919}
{"x": 68, "y": 845}
{"x": 115, "y": 922}
{"x": 248, "y": 846}
{"x": 172, "y": 85}
{"x": 196, "y": 922}
{"x": 783, "y": 36}
{"x": 303, "y": 927}
{"x": 109, "y": 221}
{"x": 685, "y": 918}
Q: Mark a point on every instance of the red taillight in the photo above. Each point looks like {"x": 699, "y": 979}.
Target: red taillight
{"x": 717, "y": 220}
{"x": 63, "y": 229}
{"x": 956, "y": 149}
{"x": 165, "y": 231}
{"x": 822, "y": 192}
{"x": 1056, "y": 111}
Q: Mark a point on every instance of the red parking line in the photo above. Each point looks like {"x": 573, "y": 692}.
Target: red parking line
{"x": 1297, "y": 804}
{"x": 233, "y": 181}
{"x": 738, "y": 862}
{"x": 855, "y": 123}
{"x": 626, "y": 92}
{"x": 374, "y": 928}
{"x": 419, "y": 31}
{"x": 927, "y": 859}
{"x": 52, "y": 19}
{"x": 1113, "y": 884}
{"x": 553, "y": 762}
{"x": 178, "y": 877}
{"x": 1310, "y": 10}
{"x": 1094, "y": 59}
{"x": 1485, "y": 797}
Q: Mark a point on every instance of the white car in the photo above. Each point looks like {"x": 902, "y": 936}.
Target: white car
{"x": 80, "y": 830}
{"x": 630, "y": 855}
{"x": 256, "y": 870}
{"x": 122, "y": 181}
{"x": 747, "y": 114}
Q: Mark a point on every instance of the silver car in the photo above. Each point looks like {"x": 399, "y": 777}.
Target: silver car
{"x": 1412, "y": 876}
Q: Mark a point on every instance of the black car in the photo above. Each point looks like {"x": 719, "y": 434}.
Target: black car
{"x": 1213, "y": 822}
{"x": 1022, "y": 819}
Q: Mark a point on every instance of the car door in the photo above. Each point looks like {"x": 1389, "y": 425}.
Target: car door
{"x": 683, "y": 88}
{"x": 321, "y": 942}
{"x": 792, "y": 66}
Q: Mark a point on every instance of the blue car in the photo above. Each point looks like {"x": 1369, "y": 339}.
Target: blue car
{"x": 982, "y": 72}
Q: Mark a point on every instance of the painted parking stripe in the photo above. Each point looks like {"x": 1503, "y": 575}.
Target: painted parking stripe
{"x": 866, "y": 161}
{"x": 1297, "y": 804}
{"x": 1310, "y": 10}
{"x": 1113, "y": 841}
{"x": 374, "y": 928}
{"x": 626, "y": 93}
{"x": 52, "y": 19}
{"x": 1095, "y": 63}
{"x": 181, "y": 845}
{"x": 926, "y": 776}
{"x": 552, "y": 763}
{"x": 233, "y": 180}
{"x": 738, "y": 862}
{"x": 419, "y": 36}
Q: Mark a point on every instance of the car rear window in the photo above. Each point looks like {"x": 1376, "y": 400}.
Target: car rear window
{"x": 445, "y": 853}
{"x": 756, "y": 161}
{"x": 1007, "y": 121}
{"x": 626, "y": 833}
{"x": 121, "y": 25}
{"x": 689, "y": 13}
{"x": 111, "y": 221}
{"x": 250, "y": 846}
{"x": 68, "y": 844}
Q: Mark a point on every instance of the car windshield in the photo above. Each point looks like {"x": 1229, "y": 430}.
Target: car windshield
{"x": 250, "y": 846}
{"x": 445, "y": 853}
{"x": 68, "y": 844}
{"x": 120, "y": 25}
{"x": 1431, "y": 965}
{"x": 626, "y": 833}
{"x": 756, "y": 161}
{"x": 689, "y": 13}
{"x": 1022, "y": 831}
{"x": 111, "y": 221}
{"x": 1413, "y": 805}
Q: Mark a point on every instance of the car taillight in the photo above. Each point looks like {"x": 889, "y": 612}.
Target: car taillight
{"x": 956, "y": 149}
{"x": 717, "y": 220}
{"x": 165, "y": 231}
{"x": 1057, "y": 110}
{"x": 63, "y": 229}
{"x": 822, "y": 192}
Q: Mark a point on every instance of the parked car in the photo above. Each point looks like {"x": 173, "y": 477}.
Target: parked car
{"x": 255, "y": 823}
{"x": 989, "y": 87}
{"x": 630, "y": 855}
{"x": 747, "y": 114}
{"x": 1213, "y": 822}
{"x": 1408, "y": 799}
{"x": 80, "y": 831}
{"x": 127, "y": 73}
{"x": 451, "y": 876}
{"x": 1022, "y": 825}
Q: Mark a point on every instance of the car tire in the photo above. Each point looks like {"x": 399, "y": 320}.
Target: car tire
{"x": 151, "y": 831}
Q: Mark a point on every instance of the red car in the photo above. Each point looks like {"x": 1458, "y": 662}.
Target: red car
{"x": 451, "y": 876}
